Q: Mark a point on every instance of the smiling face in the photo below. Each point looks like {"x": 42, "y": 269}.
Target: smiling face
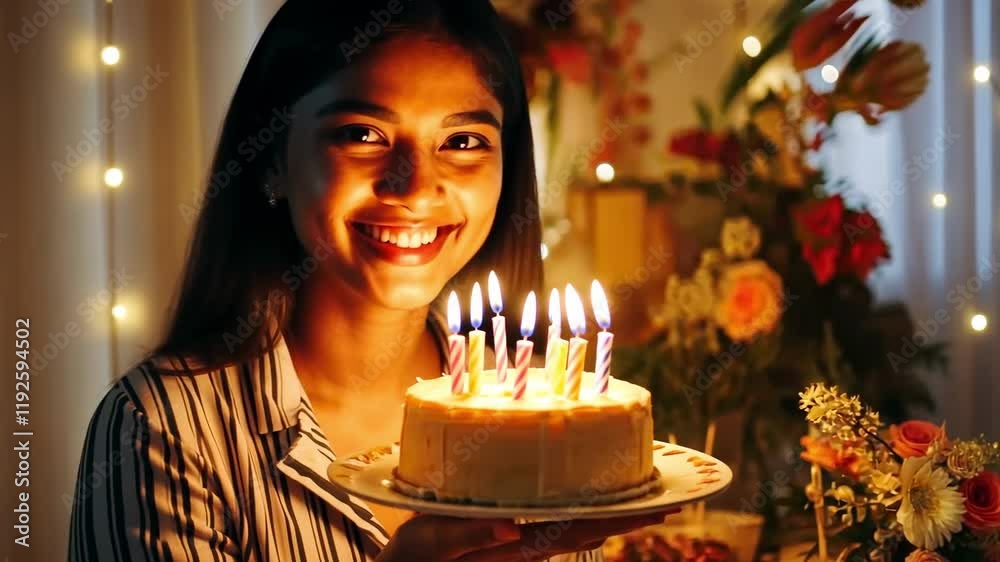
{"x": 395, "y": 164}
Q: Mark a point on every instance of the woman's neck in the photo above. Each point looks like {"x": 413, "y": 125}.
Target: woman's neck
{"x": 339, "y": 341}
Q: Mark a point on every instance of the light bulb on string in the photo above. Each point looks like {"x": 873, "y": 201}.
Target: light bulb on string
{"x": 751, "y": 46}
{"x": 113, "y": 177}
{"x": 979, "y": 322}
{"x": 981, "y": 74}
{"x": 605, "y": 172}
{"x": 119, "y": 311}
{"x": 110, "y": 55}
{"x": 939, "y": 200}
{"x": 829, "y": 73}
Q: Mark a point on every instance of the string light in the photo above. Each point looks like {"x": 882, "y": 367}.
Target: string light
{"x": 979, "y": 322}
{"x": 605, "y": 172}
{"x": 829, "y": 73}
{"x": 545, "y": 251}
{"x": 939, "y": 200}
{"x": 113, "y": 177}
{"x": 119, "y": 311}
{"x": 751, "y": 46}
{"x": 110, "y": 55}
{"x": 981, "y": 74}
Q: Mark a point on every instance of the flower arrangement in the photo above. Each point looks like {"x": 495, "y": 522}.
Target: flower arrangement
{"x": 907, "y": 491}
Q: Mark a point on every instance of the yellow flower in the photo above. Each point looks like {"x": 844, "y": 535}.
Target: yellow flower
{"x": 966, "y": 459}
{"x": 749, "y": 300}
{"x": 932, "y": 508}
{"x": 740, "y": 238}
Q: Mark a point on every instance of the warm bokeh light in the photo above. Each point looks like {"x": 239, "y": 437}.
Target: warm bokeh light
{"x": 605, "y": 172}
{"x": 940, "y": 200}
{"x": 119, "y": 311}
{"x": 111, "y": 55}
{"x": 981, "y": 74}
{"x": 829, "y": 73}
{"x": 113, "y": 177}
{"x": 545, "y": 251}
{"x": 979, "y": 322}
{"x": 751, "y": 46}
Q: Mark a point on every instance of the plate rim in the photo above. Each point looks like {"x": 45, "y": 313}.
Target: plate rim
{"x": 478, "y": 511}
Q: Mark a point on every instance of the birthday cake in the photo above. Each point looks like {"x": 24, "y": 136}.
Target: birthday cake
{"x": 542, "y": 449}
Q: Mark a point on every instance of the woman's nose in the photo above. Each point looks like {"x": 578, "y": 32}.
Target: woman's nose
{"x": 411, "y": 180}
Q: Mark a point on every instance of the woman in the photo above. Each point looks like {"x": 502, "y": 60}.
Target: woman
{"x": 384, "y": 152}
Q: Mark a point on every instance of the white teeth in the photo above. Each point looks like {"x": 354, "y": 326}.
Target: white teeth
{"x": 401, "y": 238}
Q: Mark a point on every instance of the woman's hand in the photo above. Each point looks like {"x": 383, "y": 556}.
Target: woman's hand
{"x": 431, "y": 538}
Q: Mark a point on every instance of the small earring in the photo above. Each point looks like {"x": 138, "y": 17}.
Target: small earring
{"x": 272, "y": 198}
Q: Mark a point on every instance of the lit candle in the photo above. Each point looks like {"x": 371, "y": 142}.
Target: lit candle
{"x": 477, "y": 340}
{"x": 524, "y": 347}
{"x": 602, "y": 369}
{"x": 456, "y": 346}
{"x": 499, "y": 327}
{"x": 577, "y": 345}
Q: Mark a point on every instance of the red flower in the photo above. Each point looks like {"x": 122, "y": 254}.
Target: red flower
{"x": 982, "y": 501}
{"x": 822, "y": 35}
{"x": 865, "y": 245}
{"x": 633, "y": 30}
{"x": 823, "y": 261}
{"x": 821, "y": 218}
{"x": 696, "y": 143}
{"x": 914, "y": 437}
{"x": 641, "y": 72}
{"x": 571, "y": 60}
{"x": 730, "y": 152}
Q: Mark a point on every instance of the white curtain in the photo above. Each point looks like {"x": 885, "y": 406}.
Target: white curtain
{"x": 72, "y": 248}
{"x": 943, "y": 258}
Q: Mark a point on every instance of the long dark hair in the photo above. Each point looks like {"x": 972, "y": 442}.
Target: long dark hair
{"x": 242, "y": 247}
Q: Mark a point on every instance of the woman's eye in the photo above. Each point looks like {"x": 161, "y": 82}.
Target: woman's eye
{"x": 465, "y": 142}
{"x": 358, "y": 134}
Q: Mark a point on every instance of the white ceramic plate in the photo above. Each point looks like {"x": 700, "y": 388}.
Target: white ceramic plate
{"x": 686, "y": 476}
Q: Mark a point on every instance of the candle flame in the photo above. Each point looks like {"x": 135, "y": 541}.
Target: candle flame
{"x": 528, "y": 316}
{"x": 454, "y": 313}
{"x": 555, "y": 312}
{"x": 476, "y": 308}
{"x": 600, "y": 303}
{"x": 493, "y": 288}
{"x": 574, "y": 311}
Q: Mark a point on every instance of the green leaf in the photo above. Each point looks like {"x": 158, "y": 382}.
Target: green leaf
{"x": 704, "y": 113}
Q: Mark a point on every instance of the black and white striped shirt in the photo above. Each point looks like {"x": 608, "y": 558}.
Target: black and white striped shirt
{"x": 184, "y": 464}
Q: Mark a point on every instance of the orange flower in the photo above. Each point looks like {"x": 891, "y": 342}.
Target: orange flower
{"x": 822, "y": 453}
{"x": 822, "y": 35}
{"x": 750, "y": 300}
{"x": 892, "y": 78}
{"x": 913, "y": 438}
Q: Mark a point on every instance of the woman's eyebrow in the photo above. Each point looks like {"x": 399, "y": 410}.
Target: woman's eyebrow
{"x": 351, "y": 105}
{"x": 478, "y": 117}
{"x": 358, "y": 106}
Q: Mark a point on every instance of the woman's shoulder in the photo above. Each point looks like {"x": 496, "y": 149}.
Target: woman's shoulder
{"x": 167, "y": 391}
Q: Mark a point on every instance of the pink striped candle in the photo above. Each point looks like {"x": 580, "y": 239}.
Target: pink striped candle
{"x": 577, "y": 345}
{"x": 602, "y": 370}
{"x": 524, "y": 348}
{"x": 499, "y": 326}
{"x": 456, "y": 346}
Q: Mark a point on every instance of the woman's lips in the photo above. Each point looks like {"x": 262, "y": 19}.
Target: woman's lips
{"x": 403, "y": 245}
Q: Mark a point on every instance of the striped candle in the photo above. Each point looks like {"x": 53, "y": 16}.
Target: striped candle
{"x": 456, "y": 346}
{"x": 522, "y": 359}
{"x": 602, "y": 369}
{"x": 577, "y": 345}
{"x": 477, "y": 341}
{"x": 499, "y": 326}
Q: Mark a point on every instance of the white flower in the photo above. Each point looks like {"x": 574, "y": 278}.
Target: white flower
{"x": 932, "y": 509}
